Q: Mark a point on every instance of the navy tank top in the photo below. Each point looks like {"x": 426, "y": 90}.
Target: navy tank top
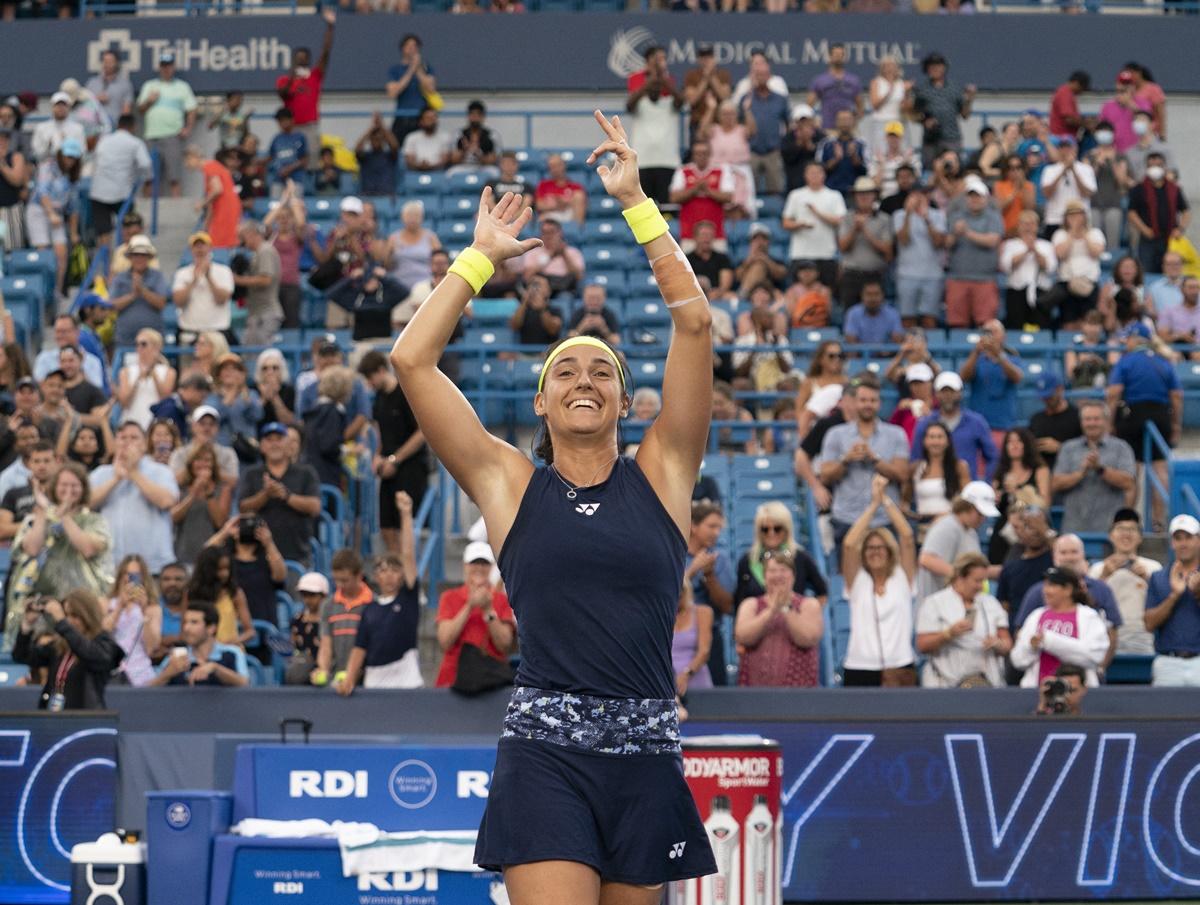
{"x": 594, "y": 582}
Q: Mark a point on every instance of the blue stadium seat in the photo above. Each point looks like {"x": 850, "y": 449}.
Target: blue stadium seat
{"x": 435, "y": 207}
{"x": 614, "y": 281}
{"x": 475, "y": 373}
{"x": 770, "y": 207}
{"x": 466, "y": 184}
{"x": 12, "y": 673}
{"x": 647, "y": 314}
{"x": 1034, "y": 345}
{"x": 533, "y": 159}
{"x": 766, "y": 487}
{"x": 425, "y": 183}
{"x": 814, "y": 335}
{"x": 492, "y": 312}
{"x": 647, "y": 373}
{"x": 605, "y": 257}
{"x": 322, "y": 208}
{"x": 460, "y": 207}
{"x": 486, "y": 336}
{"x": 454, "y": 233}
{"x": 750, "y": 468}
{"x": 604, "y": 231}
{"x": 606, "y": 208}
{"x": 525, "y": 374}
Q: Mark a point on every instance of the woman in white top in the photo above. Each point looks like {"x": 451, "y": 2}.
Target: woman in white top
{"x": 1078, "y": 246}
{"x": 146, "y": 380}
{"x": 1065, "y": 630}
{"x": 887, "y": 94}
{"x": 963, "y": 632}
{"x": 879, "y": 571}
{"x": 1029, "y": 263}
{"x": 936, "y": 477}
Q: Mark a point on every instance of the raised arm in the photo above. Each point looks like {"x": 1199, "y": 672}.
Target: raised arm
{"x": 492, "y": 472}
{"x": 673, "y": 446}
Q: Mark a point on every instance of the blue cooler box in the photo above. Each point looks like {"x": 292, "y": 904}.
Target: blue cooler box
{"x": 108, "y": 872}
{"x": 180, "y": 828}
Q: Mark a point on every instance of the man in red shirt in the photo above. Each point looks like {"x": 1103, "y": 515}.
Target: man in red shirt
{"x": 300, "y": 88}
{"x": 476, "y": 613}
{"x": 558, "y": 198}
{"x": 702, "y": 193}
{"x": 1065, "y": 118}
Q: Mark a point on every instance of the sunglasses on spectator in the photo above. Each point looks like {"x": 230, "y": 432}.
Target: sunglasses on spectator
{"x": 772, "y": 529}
{"x": 835, "y": 354}
{"x": 270, "y": 367}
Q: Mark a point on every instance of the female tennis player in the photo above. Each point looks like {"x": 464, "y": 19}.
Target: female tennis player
{"x": 588, "y": 802}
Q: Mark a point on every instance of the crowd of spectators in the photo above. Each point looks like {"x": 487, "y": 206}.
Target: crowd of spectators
{"x": 936, "y": 494}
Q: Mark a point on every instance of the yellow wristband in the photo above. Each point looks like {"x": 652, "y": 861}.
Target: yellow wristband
{"x": 645, "y": 221}
{"x": 473, "y": 266}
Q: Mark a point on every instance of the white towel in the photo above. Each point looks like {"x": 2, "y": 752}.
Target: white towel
{"x": 295, "y": 829}
{"x": 364, "y": 852}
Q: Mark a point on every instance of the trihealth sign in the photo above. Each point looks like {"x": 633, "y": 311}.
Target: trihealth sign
{"x": 596, "y": 51}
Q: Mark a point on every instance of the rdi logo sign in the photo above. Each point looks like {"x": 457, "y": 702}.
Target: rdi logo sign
{"x": 401, "y": 881}
{"x": 288, "y": 889}
{"x": 136, "y": 54}
{"x": 327, "y": 784}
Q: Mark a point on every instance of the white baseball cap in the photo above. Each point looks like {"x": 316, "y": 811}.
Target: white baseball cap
{"x": 60, "y": 97}
{"x": 351, "y": 205}
{"x": 920, "y": 372}
{"x": 948, "y": 379}
{"x": 202, "y": 410}
{"x": 981, "y": 495}
{"x": 478, "y": 550}
{"x": 802, "y": 111}
{"x": 313, "y": 583}
{"x": 974, "y": 184}
{"x": 1184, "y": 523}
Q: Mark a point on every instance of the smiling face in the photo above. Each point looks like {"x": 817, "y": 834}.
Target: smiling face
{"x": 582, "y": 393}
{"x": 1057, "y": 596}
{"x": 708, "y": 531}
{"x": 68, "y": 489}
{"x": 936, "y": 441}
{"x": 778, "y": 577}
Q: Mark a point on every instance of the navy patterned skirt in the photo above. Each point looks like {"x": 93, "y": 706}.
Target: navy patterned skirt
{"x": 594, "y": 780}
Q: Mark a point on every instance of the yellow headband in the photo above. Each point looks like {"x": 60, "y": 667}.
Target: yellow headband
{"x": 581, "y": 341}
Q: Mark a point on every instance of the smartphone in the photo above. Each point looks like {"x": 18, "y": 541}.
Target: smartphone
{"x": 135, "y": 578}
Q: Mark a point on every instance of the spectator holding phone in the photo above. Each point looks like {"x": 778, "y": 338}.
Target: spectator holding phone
{"x": 134, "y": 620}
{"x": 201, "y": 660}
{"x": 78, "y": 655}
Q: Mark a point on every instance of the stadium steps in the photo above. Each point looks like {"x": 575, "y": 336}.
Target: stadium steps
{"x": 177, "y": 219}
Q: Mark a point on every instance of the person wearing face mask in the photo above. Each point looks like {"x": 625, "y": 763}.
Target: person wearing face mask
{"x": 1121, "y": 110}
{"x": 1147, "y": 143}
{"x": 1158, "y": 212}
{"x": 1113, "y": 180}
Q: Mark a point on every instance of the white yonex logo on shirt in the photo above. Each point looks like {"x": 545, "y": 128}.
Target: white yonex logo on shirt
{"x": 677, "y": 850}
{"x": 587, "y": 508}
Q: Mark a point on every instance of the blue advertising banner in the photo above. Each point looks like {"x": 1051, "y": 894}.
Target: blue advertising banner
{"x": 253, "y": 872}
{"x": 919, "y": 810}
{"x": 597, "y": 51}
{"x": 58, "y": 783}
{"x": 396, "y": 788}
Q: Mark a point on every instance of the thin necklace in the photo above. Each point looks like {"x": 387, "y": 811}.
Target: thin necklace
{"x": 572, "y": 492}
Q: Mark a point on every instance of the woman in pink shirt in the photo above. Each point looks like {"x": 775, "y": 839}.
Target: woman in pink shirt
{"x": 1121, "y": 110}
{"x": 1066, "y": 630}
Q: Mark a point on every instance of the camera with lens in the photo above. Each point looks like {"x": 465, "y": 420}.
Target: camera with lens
{"x": 247, "y": 525}
{"x": 1054, "y": 696}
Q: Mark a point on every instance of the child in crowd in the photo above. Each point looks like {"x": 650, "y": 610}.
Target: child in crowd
{"x": 313, "y": 588}
{"x": 340, "y": 617}
{"x": 386, "y": 643}
{"x": 1086, "y": 364}
{"x": 328, "y": 179}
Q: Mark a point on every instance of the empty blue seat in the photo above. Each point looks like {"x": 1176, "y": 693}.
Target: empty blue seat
{"x": 605, "y": 257}
{"x": 525, "y": 374}
{"x": 533, "y": 159}
{"x": 486, "y": 336}
{"x": 647, "y": 373}
{"x": 475, "y": 373}
{"x": 749, "y": 468}
{"x": 322, "y": 208}
{"x": 466, "y": 184}
{"x": 766, "y": 487}
{"x": 614, "y": 281}
{"x": 425, "y": 183}
{"x": 492, "y": 312}
{"x": 454, "y": 233}
{"x": 647, "y": 314}
{"x": 460, "y": 207}
{"x": 606, "y": 208}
